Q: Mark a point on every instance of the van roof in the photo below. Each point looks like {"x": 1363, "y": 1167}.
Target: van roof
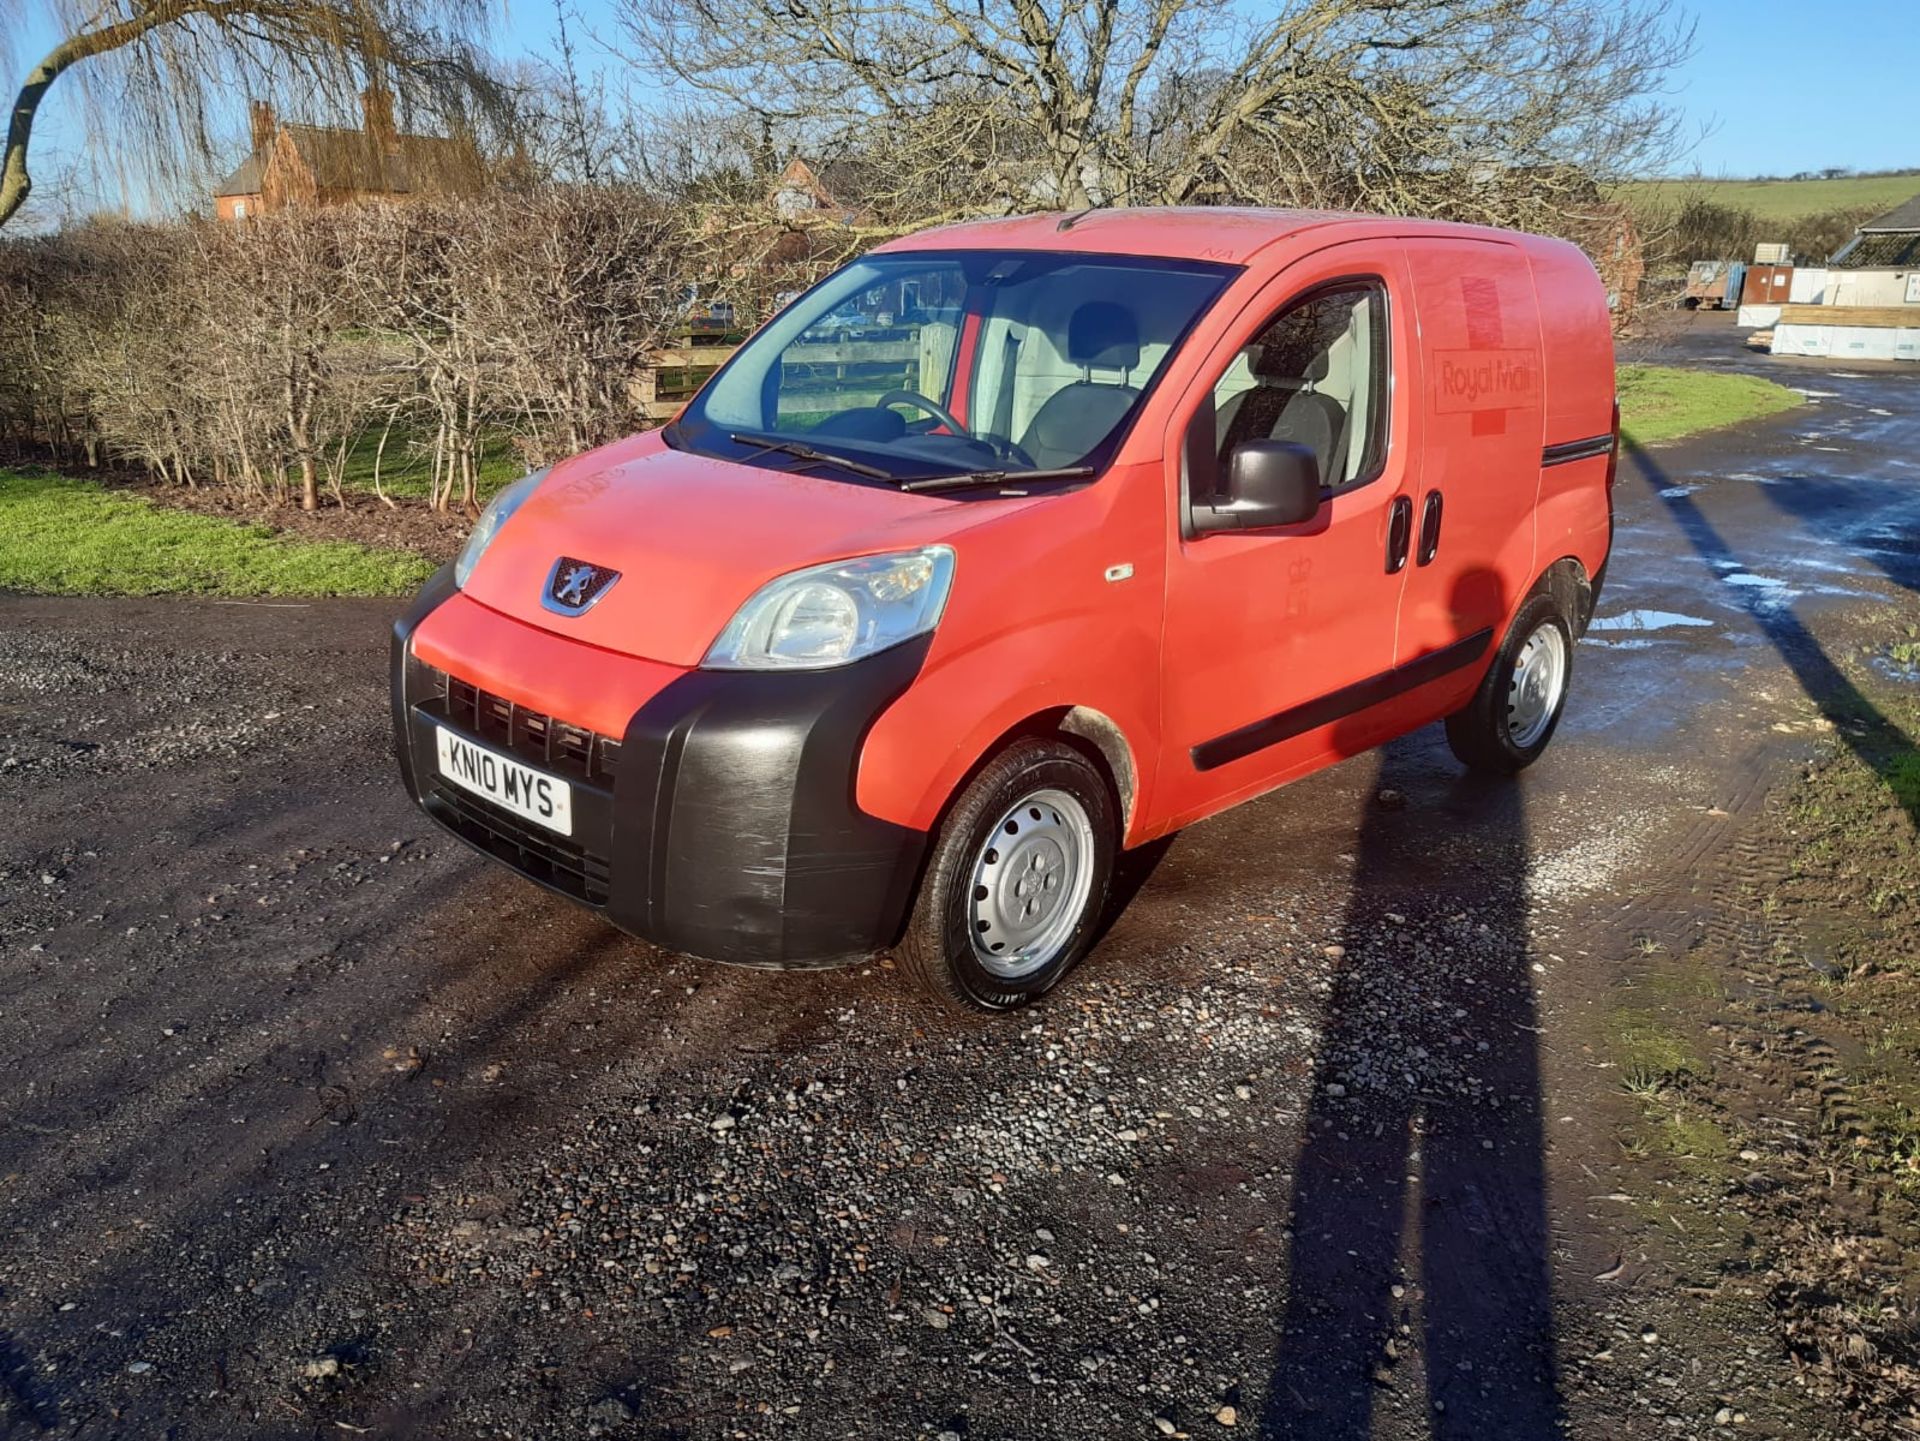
{"x": 1225, "y": 233}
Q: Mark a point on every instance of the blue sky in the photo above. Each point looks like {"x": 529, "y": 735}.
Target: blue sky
{"x": 1778, "y": 86}
{"x": 1794, "y": 86}
{"x": 1774, "y": 86}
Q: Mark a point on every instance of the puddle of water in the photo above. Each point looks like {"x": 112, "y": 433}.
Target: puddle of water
{"x": 1646, "y": 620}
{"x": 1623, "y": 642}
{"x": 1845, "y": 567}
{"x": 1747, "y": 577}
{"x": 1674, "y": 492}
{"x": 1894, "y": 670}
{"x": 1876, "y": 410}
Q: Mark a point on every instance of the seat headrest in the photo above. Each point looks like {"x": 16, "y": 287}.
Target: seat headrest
{"x": 1103, "y": 334}
{"x": 1289, "y": 356}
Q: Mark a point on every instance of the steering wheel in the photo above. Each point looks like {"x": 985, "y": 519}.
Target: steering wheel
{"x": 932, "y": 407}
{"x": 1006, "y": 450}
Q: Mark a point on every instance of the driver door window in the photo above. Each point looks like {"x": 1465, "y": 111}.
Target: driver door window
{"x": 1315, "y": 376}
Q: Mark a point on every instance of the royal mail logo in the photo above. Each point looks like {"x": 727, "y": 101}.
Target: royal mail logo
{"x": 574, "y": 585}
{"x": 1485, "y": 380}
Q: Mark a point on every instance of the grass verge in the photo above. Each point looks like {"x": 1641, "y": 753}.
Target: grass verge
{"x": 1856, "y": 816}
{"x": 1665, "y": 402}
{"x": 60, "y": 536}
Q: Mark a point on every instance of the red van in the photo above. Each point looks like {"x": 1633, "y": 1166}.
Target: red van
{"x": 1096, "y": 525}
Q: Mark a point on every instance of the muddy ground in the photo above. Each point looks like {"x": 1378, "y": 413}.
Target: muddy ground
{"x": 1395, "y": 1104}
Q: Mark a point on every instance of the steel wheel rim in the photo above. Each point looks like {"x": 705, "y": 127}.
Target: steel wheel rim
{"x": 1538, "y": 682}
{"x": 1030, "y": 882}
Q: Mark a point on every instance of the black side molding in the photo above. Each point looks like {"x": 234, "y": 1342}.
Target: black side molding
{"x": 1336, "y": 705}
{"x": 1571, "y": 450}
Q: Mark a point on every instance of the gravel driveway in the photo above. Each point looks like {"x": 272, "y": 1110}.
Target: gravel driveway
{"x": 318, "y": 1126}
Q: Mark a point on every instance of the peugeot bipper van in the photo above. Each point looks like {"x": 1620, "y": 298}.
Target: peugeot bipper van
{"x": 1098, "y": 524}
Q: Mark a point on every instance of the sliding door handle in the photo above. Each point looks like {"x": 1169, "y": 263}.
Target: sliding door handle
{"x": 1429, "y": 529}
{"x": 1399, "y": 534}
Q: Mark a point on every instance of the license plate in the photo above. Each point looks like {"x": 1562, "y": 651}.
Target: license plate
{"x": 530, "y": 794}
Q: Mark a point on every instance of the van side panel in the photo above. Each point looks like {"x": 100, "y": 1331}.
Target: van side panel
{"x": 1575, "y": 511}
{"x": 1482, "y": 396}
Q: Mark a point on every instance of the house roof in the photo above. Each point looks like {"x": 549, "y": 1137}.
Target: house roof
{"x": 1904, "y": 216}
{"x": 351, "y": 160}
{"x": 245, "y": 179}
{"x": 1880, "y": 250}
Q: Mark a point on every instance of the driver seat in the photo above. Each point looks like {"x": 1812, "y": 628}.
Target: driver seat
{"x": 1285, "y": 404}
{"x": 1078, "y": 416}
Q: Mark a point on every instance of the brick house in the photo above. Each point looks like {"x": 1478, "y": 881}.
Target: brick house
{"x": 292, "y": 165}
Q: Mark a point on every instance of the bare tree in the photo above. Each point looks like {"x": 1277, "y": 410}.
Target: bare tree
{"x": 157, "y": 70}
{"x": 1003, "y": 104}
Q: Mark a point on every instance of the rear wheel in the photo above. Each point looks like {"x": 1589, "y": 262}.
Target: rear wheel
{"x": 1513, "y": 715}
{"x": 1017, "y": 881}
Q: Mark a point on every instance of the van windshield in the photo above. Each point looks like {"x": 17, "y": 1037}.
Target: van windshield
{"x": 926, "y": 365}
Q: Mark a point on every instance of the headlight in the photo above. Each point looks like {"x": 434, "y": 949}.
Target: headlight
{"x": 829, "y": 615}
{"x": 498, "y": 512}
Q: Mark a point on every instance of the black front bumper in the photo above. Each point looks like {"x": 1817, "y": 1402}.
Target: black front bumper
{"x": 722, "y": 823}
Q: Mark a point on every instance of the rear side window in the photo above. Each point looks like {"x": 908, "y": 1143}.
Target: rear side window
{"x": 1317, "y": 376}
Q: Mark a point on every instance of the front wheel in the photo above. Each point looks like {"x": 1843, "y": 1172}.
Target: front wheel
{"x": 1017, "y": 882}
{"x": 1510, "y": 719}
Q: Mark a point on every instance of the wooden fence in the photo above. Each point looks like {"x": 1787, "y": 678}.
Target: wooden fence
{"x": 677, "y": 372}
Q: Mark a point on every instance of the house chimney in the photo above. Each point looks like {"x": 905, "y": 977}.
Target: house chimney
{"x": 261, "y": 115}
{"x": 376, "y": 104}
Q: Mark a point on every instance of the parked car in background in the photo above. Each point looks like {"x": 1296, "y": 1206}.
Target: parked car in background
{"x": 902, "y": 651}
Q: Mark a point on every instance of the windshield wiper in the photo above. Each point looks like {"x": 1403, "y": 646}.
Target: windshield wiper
{"x": 996, "y": 477}
{"x": 807, "y": 452}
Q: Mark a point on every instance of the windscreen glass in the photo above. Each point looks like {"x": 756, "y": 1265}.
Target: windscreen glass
{"x": 927, "y": 364}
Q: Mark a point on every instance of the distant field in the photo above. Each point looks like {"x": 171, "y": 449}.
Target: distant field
{"x": 1787, "y": 199}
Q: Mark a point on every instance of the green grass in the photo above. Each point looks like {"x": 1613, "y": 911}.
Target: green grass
{"x": 407, "y": 466}
{"x": 1784, "y": 199}
{"x": 60, "y": 536}
{"x": 1650, "y": 1051}
{"x": 1664, "y": 402}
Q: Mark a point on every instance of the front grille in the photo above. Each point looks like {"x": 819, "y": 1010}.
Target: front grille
{"x": 558, "y": 861}
{"x": 539, "y": 740}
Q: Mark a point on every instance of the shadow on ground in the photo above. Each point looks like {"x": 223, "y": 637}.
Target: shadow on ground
{"x": 1857, "y": 720}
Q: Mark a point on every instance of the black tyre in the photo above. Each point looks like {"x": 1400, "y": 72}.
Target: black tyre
{"x": 1513, "y": 715}
{"x": 1017, "y": 882}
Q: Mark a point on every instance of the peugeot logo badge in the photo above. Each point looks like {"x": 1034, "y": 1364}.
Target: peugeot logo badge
{"x": 574, "y": 585}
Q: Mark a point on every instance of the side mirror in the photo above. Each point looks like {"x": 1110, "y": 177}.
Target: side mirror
{"x": 1269, "y": 483}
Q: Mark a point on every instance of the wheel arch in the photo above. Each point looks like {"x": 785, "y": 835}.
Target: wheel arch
{"x": 1090, "y": 731}
{"x": 1567, "y": 582}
